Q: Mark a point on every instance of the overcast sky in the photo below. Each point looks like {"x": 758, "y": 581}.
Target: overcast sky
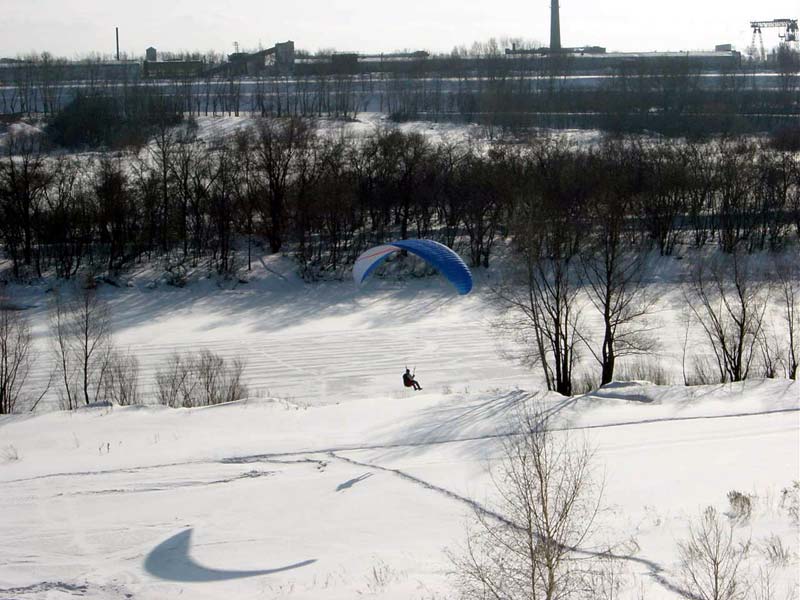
{"x": 76, "y": 27}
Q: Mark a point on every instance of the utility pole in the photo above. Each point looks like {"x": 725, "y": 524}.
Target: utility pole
{"x": 117, "y": 44}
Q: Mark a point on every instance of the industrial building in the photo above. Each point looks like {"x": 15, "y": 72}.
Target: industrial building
{"x": 282, "y": 59}
{"x": 276, "y": 60}
{"x": 173, "y": 69}
{"x": 15, "y": 70}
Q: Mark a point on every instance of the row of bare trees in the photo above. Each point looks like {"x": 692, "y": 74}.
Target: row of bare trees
{"x": 744, "y": 309}
{"x": 581, "y": 233}
{"x": 89, "y": 367}
{"x": 730, "y": 300}
{"x": 670, "y": 94}
{"x": 325, "y": 198}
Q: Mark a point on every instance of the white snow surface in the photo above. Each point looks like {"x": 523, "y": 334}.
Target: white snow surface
{"x": 331, "y": 481}
{"x": 369, "y": 122}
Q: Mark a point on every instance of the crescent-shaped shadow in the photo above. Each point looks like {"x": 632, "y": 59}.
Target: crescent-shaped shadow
{"x": 170, "y": 560}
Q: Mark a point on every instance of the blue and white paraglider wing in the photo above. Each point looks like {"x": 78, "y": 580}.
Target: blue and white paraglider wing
{"x": 447, "y": 262}
{"x": 370, "y": 260}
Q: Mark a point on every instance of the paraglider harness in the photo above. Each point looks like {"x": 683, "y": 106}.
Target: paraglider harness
{"x": 408, "y": 379}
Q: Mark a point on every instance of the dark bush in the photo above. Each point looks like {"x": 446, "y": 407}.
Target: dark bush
{"x": 786, "y": 138}
{"x": 87, "y": 121}
{"x": 92, "y": 121}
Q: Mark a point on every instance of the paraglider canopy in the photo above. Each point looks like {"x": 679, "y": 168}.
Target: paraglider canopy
{"x": 447, "y": 262}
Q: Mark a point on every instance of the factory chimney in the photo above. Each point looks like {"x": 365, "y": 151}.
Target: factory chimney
{"x": 555, "y": 27}
{"x": 117, "y": 43}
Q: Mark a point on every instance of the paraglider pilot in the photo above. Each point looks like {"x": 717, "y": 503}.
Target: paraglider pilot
{"x": 409, "y": 381}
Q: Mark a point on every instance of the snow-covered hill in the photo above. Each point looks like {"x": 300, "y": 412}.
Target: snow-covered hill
{"x": 333, "y": 482}
{"x": 265, "y": 499}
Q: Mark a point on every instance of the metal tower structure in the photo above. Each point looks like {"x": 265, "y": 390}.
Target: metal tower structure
{"x": 790, "y": 33}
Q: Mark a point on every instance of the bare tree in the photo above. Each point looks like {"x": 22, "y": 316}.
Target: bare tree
{"x": 248, "y": 192}
{"x": 162, "y": 153}
{"x": 710, "y": 559}
{"x": 83, "y": 344}
{"x": 173, "y": 386}
{"x": 15, "y": 359}
{"x": 614, "y": 278}
{"x": 613, "y": 271}
{"x": 763, "y": 586}
{"x": 527, "y": 546}
{"x": 121, "y": 385}
{"x": 92, "y": 333}
{"x": 788, "y": 63}
{"x": 544, "y": 316}
{"x": 482, "y": 187}
{"x": 279, "y": 145}
{"x": 66, "y": 198}
{"x": 218, "y": 381}
{"x": 607, "y": 580}
{"x": 62, "y": 348}
{"x": 789, "y": 297}
{"x": 544, "y": 293}
{"x": 23, "y": 179}
{"x": 729, "y": 302}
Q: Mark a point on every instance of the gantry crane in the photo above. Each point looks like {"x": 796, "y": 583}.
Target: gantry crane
{"x": 788, "y": 25}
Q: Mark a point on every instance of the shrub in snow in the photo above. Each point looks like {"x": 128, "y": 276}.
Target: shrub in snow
{"x": 763, "y": 586}
{"x": 218, "y": 381}
{"x": 607, "y": 580}
{"x": 644, "y": 370}
{"x": 702, "y": 373}
{"x": 380, "y": 576}
{"x": 790, "y": 501}
{"x": 741, "y": 506}
{"x": 122, "y": 379}
{"x": 711, "y": 559}
{"x": 10, "y": 453}
{"x": 176, "y": 276}
{"x": 774, "y": 551}
{"x": 586, "y": 383}
{"x": 201, "y": 379}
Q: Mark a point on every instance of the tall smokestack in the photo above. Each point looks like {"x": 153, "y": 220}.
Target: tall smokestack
{"x": 117, "y": 43}
{"x": 555, "y": 27}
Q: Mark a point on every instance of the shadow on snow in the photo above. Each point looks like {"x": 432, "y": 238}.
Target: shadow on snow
{"x": 170, "y": 561}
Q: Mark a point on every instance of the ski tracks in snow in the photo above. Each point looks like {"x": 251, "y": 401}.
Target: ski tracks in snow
{"x": 655, "y": 570}
{"x": 318, "y": 457}
{"x": 275, "y": 456}
{"x": 330, "y": 366}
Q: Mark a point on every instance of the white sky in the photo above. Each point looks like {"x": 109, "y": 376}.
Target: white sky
{"x": 76, "y": 27}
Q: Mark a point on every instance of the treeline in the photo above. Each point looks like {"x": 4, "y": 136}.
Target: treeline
{"x": 673, "y": 96}
{"x": 340, "y": 96}
{"x": 324, "y": 198}
{"x": 677, "y": 95}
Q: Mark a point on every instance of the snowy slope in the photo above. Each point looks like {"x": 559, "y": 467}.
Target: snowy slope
{"x": 357, "y": 498}
{"x": 332, "y": 481}
{"x": 307, "y": 344}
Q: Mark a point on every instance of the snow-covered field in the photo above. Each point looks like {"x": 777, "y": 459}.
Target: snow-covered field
{"x": 332, "y": 481}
